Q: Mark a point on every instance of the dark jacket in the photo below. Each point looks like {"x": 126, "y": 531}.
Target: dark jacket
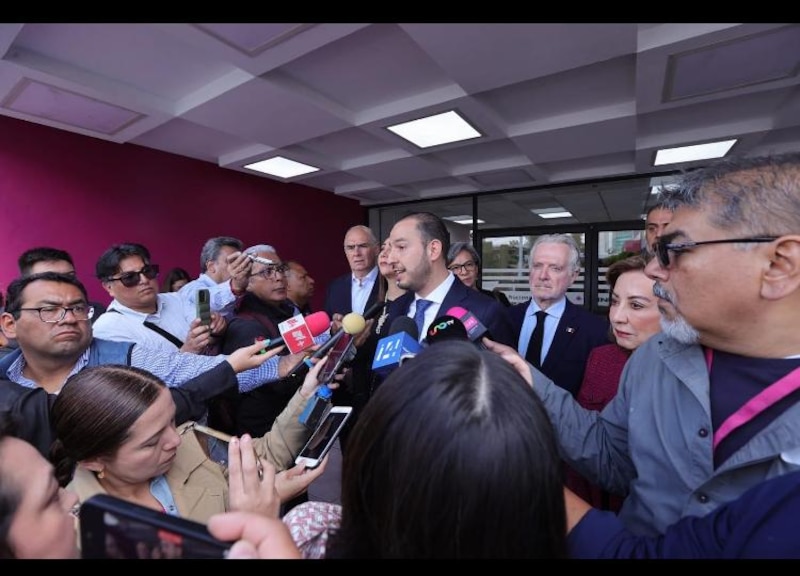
{"x": 577, "y": 333}
{"x": 255, "y": 411}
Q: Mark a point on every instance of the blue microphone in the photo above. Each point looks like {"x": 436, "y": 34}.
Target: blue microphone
{"x": 399, "y": 344}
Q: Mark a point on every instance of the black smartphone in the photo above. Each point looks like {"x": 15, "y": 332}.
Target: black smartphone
{"x": 336, "y": 357}
{"x": 204, "y": 306}
{"x": 114, "y": 528}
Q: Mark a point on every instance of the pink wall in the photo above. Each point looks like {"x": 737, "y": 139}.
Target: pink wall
{"x": 82, "y": 195}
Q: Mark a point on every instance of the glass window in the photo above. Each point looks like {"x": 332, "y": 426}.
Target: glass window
{"x": 612, "y": 246}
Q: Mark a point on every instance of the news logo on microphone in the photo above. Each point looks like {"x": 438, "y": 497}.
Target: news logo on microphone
{"x": 296, "y": 334}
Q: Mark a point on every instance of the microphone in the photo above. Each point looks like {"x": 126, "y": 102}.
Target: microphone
{"x": 351, "y": 324}
{"x": 298, "y": 332}
{"x": 398, "y": 345}
{"x": 446, "y": 328}
{"x": 373, "y": 310}
{"x": 475, "y": 330}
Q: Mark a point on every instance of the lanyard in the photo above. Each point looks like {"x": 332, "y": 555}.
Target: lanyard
{"x": 757, "y": 404}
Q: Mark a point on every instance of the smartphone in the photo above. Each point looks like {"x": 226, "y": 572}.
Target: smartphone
{"x": 336, "y": 357}
{"x": 115, "y": 528}
{"x": 324, "y": 436}
{"x": 204, "y": 306}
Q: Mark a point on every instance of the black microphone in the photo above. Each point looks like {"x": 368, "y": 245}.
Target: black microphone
{"x": 373, "y": 310}
{"x": 351, "y": 324}
{"x": 475, "y": 329}
{"x": 446, "y": 328}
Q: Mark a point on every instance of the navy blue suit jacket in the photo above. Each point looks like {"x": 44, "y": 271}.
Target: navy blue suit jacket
{"x": 578, "y": 331}
{"x": 489, "y": 311}
{"x": 338, "y": 297}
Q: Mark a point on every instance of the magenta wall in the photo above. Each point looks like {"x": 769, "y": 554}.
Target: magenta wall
{"x": 82, "y": 195}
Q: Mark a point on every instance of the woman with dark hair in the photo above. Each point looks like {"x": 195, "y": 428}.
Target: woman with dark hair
{"x": 175, "y": 279}
{"x": 453, "y": 457}
{"x": 116, "y": 434}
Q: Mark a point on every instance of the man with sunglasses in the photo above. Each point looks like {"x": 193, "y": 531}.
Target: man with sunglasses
{"x": 140, "y": 313}
{"x": 711, "y": 406}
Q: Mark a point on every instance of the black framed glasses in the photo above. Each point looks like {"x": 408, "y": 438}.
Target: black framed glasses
{"x": 662, "y": 246}
{"x": 270, "y": 271}
{"x": 467, "y": 266}
{"x": 54, "y": 314}
{"x": 131, "y": 279}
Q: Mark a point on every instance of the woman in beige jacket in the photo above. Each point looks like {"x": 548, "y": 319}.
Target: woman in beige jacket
{"x": 116, "y": 432}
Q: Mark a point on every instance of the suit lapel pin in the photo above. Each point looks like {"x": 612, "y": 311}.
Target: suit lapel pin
{"x": 570, "y": 329}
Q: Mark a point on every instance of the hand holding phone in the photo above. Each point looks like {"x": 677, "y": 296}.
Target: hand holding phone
{"x": 204, "y": 306}
{"x": 321, "y": 441}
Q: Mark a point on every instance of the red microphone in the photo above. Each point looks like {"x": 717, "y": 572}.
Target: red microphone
{"x": 298, "y": 332}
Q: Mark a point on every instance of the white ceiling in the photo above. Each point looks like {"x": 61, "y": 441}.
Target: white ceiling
{"x": 557, "y": 103}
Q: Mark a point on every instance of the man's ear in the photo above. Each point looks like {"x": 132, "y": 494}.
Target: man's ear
{"x": 108, "y": 287}
{"x": 434, "y": 249}
{"x": 9, "y": 325}
{"x": 781, "y": 277}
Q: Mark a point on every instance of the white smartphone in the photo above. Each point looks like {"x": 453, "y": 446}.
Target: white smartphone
{"x": 324, "y": 436}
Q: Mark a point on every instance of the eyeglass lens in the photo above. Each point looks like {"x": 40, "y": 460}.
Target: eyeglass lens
{"x": 131, "y": 279}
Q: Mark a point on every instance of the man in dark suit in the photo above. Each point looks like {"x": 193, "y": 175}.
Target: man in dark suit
{"x": 419, "y": 244}
{"x": 355, "y": 291}
{"x": 562, "y": 343}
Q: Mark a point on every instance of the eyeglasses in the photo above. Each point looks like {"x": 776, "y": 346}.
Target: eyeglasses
{"x": 662, "y": 246}
{"x": 131, "y": 279}
{"x": 270, "y": 271}
{"x": 53, "y": 314}
{"x": 468, "y": 266}
{"x": 353, "y": 247}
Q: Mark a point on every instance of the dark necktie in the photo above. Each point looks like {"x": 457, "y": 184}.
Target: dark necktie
{"x": 534, "y": 353}
{"x": 419, "y": 315}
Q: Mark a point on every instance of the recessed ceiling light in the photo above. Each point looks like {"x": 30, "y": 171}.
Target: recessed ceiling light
{"x": 435, "y": 130}
{"x": 466, "y": 219}
{"x": 691, "y": 153}
{"x": 547, "y": 213}
{"x": 281, "y": 167}
{"x": 658, "y": 189}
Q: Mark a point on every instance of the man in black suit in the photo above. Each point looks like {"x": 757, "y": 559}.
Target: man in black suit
{"x": 419, "y": 244}
{"x": 569, "y": 331}
{"x": 356, "y": 291}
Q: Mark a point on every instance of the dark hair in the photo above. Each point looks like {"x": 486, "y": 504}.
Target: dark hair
{"x": 453, "y": 457}
{"x": 212, "y": 247}
{"x": 18, "y": 285}
{"x": 629, "y": 264}
{"x": 108, "y": 263}
{"x": 431, "y": 227}
{"x": 93, "y": 414}
{"x": 29, "y": 258}
{"x": 173, "y": 276}
{"x": 10, "y": 493}
{"x": 753, "y": 195}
